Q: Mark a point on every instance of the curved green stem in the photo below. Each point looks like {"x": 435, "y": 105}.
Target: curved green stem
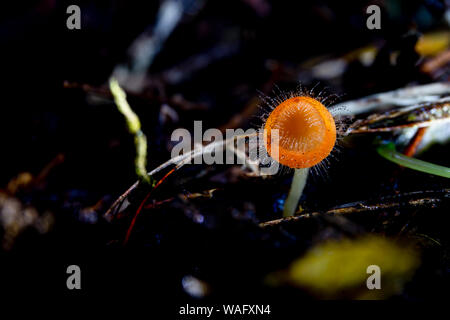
{"x": 134, "y": 127}
{"x": 297, "y": 186}
{"x": 388, "y": 152}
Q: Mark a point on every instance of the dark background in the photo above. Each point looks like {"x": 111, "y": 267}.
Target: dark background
{"x": 41, "y": 119}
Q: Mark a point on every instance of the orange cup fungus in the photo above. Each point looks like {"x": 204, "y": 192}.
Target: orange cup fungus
{"x": 306, "y": 129}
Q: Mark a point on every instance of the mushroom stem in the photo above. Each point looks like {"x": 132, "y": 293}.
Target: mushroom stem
{"x": 297, "y": 186}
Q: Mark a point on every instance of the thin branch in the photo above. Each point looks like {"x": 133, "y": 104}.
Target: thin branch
{"x": 361, "y": 207}
{"x": 400, "y": 97}
{"x": 179, "y": 162}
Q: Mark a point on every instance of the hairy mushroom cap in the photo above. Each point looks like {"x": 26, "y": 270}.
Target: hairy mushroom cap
{"x": 307, "y": 132}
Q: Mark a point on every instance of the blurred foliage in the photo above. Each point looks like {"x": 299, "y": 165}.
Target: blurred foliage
{"x": 338, "y": 268}
{"x": 433, "y": 43}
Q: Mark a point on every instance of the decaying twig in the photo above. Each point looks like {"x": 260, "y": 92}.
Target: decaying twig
{"x": 423, "y": 115}
{"x": 408, "y": 200}
{"x": 402, "y": 97}
{"x": 179, "y": 162}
